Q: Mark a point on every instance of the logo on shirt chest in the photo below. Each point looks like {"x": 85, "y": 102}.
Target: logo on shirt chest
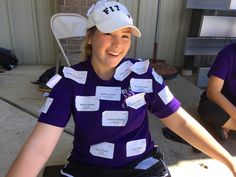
{"x": 126, "y": 93}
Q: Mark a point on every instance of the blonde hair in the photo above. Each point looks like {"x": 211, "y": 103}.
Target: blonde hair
{"x": 85, "y": 47}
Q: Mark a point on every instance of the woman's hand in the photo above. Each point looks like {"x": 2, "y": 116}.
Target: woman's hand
{"x": 190, "y": 130}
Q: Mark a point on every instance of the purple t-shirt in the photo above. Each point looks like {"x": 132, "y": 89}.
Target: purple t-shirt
{"x": 111, "y": 117}
{"x": 224, "y": 67}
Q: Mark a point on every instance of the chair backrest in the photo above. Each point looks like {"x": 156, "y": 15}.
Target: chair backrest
{"x": 66, "y": 25}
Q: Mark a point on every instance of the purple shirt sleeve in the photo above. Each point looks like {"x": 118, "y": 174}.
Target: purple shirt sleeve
{"x": 221, "y": 65}
{"x": 59, "y": 111}
{"x": 161, "y": 102}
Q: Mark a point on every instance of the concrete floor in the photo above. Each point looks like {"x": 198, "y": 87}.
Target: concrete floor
{"x": 20, "y": 102}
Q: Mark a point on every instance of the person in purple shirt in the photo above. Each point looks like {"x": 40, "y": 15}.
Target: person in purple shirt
{"x": 109, "y": 97}
{"x": 217, "y": 106}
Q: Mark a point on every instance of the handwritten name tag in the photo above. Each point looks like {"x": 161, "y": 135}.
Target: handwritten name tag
{"x": 78, "y": 76}
{"x": 53, "y": 81}
{"x": 123, "y": 71}
{"x": 141, "y": 85}
{"x": 47, "y": 105}
{"x": 136, "y": 101}
{"x": 87, "y": 103}
{"x": 140, "y": 67}
{"x": 114, "y": 118}
{"x": 108, "y": 93}
{"x": 105, "y": 150}
{"x": 157, "y": 77}
{"x": 165, "y": 95}
{"x": 135, "y": 147}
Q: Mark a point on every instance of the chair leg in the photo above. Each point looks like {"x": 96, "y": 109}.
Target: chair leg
{"x": 58, "y": 63}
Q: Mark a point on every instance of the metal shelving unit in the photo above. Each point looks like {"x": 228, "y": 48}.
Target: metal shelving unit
{"x": 213, "y": 27}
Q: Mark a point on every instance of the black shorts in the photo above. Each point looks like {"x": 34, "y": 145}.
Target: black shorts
{"x": 211, "y": 113}
{"x": 159, "y": 169}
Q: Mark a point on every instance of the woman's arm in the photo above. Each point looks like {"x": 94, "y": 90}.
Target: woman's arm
{"x": 35, "y": 151}
{"x": 189, "y": 129}
{"x": 214, "y": 88}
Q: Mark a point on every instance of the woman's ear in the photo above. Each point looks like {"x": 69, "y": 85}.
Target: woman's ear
{"x": 89, "y": 41}
{"x": 89, "y": 38}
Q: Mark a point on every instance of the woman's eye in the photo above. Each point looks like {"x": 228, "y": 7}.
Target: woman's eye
{"x": 107, "y": 34}
{"x": 126, "y": 36}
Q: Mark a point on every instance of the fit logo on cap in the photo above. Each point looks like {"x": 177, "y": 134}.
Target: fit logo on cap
{"x": 112, "y": 9}
{"x": 110, "y": 16}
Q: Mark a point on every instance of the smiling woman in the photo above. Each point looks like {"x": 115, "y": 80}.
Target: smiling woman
{"x": 108, "y": 50}
{"x": 109, "y": 97}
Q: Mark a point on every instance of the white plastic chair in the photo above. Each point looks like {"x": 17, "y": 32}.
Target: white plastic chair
{"x": 67, "y": 25}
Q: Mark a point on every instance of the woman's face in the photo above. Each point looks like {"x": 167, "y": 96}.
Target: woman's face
{"x": 108, "y": 49}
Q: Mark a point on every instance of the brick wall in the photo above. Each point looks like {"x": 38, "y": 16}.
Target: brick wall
{"x": 72, "y": 46}
{"x": 75, "y": 6}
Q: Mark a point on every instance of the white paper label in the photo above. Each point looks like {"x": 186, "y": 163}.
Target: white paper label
{"x": 78, "y": 76}
{"x": 146, "y": 163}
{"x": 157, "y": 77}
{"x": 114, "y": 118}
{"x": 165, "y": 95}
{"x": 108, "y": 93}
{"x": 53, "y": 81}
{"x": 140, "y": 67}
{"x": 47, "y": 105}
{"x": 123, "y": 70}
{"x": 105, "y": 150}
{"x": 141, "y": 85}
{"x": 87, "y": 103}
{"x": 135, "y": 147}
{"x": 136, "y": 101}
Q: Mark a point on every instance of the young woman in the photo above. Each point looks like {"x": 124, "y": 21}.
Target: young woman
{"x": 217, "y": 106}
{"x": 109, "y": 97}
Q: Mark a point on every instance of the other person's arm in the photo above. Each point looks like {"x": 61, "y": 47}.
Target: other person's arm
{"x": 215, "y": 85}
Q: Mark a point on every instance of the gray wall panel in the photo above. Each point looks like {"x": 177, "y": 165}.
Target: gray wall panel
{"x": 25, "y": 28}
{"x": 208, "y": 4}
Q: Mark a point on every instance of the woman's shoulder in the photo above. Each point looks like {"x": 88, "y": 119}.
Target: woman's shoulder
{"x": 142, "y": 68}
{"x": 81, "y": 66}
{"x": 133, "y": 60}
{"x": 76, "y": 73}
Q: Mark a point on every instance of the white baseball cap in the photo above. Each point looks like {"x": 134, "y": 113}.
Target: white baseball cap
{"x": 110, "y": 16}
